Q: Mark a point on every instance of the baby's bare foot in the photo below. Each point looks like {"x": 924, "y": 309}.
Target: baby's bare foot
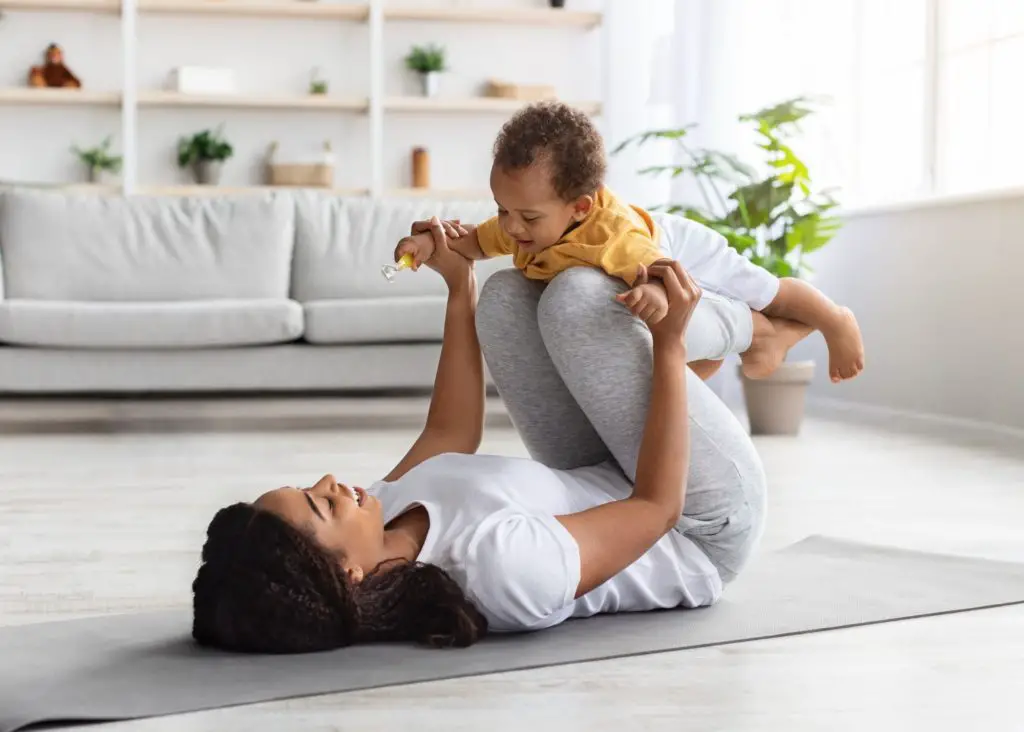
{"x": 845, "y": 347}
{"x": 773, "y": 337}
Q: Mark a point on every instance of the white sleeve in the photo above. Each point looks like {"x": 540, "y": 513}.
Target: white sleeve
{"x": 522, "y": 572}
{"x": 713, "y": 264}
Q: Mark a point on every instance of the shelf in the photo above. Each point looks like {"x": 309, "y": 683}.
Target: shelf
{"x": 97, "y": 188}
{"x": 258, "y": 8}
{"x": 251, "y": 101}
{"x": 518, "y": 16}
{"x": 80, "y": 97}
{"x": 449, "y": 193}
{"x": 85, "y": 6}
{"x": 469, "y": 104}
{"x": 196, "y": 190}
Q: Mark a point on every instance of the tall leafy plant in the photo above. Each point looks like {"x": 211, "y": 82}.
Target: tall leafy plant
{"x": 768, "y": 211}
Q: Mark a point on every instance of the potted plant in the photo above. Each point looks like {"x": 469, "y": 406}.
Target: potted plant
{"x": 769, "y": 213}
{"x": 204, "y": 153}
{"x": 428, "y": 61}
{"x": 98, "y": 160}
{"x": 317, "y": 83}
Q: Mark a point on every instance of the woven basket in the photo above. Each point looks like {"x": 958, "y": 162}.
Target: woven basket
{"x": 312, "y": 175}
{"x": 522, "y": 92}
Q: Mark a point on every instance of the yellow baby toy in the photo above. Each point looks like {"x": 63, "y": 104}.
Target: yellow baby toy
{"x": 390, "y": 270}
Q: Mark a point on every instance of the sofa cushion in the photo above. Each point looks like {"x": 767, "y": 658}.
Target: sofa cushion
{"x": 375, "y": 320}
{"x": 196, "y": 324}
{"x": 80, "y": 246}
{"x": 341, "y": 243}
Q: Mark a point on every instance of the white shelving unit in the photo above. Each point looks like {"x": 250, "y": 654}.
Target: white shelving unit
{"x": 251, "y": 101}
{"x": 373, "y": 14}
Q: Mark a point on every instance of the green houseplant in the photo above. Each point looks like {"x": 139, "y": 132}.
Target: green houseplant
{"x": 769, "y": 212}
{"x": 428, "y": 61}
{"x": 204, "y": 153}
{"x": 99, "y": 160}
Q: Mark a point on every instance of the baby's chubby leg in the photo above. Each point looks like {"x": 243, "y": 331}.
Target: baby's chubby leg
{"x": 806, "y": 308}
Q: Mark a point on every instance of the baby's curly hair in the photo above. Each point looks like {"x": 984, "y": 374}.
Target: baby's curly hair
{"x": 563, "y": 137}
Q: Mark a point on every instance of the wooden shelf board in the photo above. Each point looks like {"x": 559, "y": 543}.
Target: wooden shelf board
{"x": 209, "y": 190}
{"x": 33, "y": 95}
{"x": 85, "y": 6}
{"x": 519, "y": 16}
{"x": 63, "y": 187}
{"x": 469, "y": 104}
{"x": 250, "y": 101}
{"x": 450, "y": 193}
{"x": 258, "y": 8}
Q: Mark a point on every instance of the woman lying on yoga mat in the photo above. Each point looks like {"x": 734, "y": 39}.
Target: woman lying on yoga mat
{"x": 623, "y": 507}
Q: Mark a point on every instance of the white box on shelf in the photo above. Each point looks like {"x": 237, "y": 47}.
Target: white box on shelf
{"x": 203, "y": 80}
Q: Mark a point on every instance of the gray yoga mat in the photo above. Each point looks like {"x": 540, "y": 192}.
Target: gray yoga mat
{"x": 129, "y": 666}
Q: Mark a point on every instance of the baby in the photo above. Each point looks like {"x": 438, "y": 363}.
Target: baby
{"x": 555, "y": 212}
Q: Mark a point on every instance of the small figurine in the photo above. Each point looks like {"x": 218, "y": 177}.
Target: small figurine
{"x": 53, "y": 73}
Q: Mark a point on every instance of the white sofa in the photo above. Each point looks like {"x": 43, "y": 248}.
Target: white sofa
{"x": 276, "y": 291}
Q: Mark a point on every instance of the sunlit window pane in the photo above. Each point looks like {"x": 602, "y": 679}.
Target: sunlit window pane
{"x": 890, "y": 151}
{"x": 964, "y": 143}
{"x": 966, "y": 23}
{"x": 1007, "y": 112}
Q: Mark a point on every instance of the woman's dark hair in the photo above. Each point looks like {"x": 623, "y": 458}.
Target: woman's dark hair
{"x": 266, "y": 587}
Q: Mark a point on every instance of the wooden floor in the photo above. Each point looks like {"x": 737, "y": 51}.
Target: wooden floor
{"x": 111, "y": 521}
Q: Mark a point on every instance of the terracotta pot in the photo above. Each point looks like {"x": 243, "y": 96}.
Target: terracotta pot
{"x": 775, "y": 405}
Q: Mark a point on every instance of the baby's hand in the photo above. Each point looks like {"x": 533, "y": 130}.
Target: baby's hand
{"x": 420, "y": 246}
{"x": 647, "y": 301}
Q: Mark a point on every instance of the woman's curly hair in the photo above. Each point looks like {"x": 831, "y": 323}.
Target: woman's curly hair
{"x": 266, "y": 587}
{"x": 563, "y": 137}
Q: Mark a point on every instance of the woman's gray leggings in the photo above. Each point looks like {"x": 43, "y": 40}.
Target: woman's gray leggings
{"x": 574, "y": 370}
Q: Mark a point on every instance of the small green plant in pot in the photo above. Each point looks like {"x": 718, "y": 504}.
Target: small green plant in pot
{"x": 99, "y": 161}
{"x": 204, "y": 154}
{"x": 771, "y": 214}
{"x": 428, "y": 61}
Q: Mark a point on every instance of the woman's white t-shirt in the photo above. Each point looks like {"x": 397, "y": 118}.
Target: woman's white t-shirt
{"x": 493, "y": 529}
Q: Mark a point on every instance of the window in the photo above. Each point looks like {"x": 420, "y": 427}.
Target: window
{"x": 981, "y": 96}
{"x": 923, "y": 97}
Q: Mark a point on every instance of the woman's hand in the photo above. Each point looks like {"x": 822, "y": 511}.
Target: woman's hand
{"x": 683, "y": 296}
{"x": 456, "y": 269}
{"x": 452, "y": 227}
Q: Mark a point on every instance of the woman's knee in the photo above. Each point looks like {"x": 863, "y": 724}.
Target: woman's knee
{"x": 581, "y": 301}
{"x": 506, "y": 297}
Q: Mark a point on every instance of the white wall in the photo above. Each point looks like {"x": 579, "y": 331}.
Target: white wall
{"x": 936, "y": 290}
{"x": 937, "y": 293}
{"x": 276, "y": 56}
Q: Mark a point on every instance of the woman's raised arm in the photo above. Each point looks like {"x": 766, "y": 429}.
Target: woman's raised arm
{"x": 455, "y": 419}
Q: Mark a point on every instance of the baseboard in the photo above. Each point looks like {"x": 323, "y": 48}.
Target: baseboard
{"x": 218, "y": 413}
{"x": 909, "y": 419}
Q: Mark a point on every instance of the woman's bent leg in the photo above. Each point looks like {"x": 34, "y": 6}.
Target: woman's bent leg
{"x": 548, "y": 419}
{"x": 604, "y": 356}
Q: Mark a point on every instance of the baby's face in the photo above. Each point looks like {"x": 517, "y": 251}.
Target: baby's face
{"x": 530, "y": 211}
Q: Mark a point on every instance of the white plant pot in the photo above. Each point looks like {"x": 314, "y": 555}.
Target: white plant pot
{"x": 206, "y": 172}
{"x": 431, "y": 82}
{"x": 775, "y": 404}
{"x": 99, "y": 176}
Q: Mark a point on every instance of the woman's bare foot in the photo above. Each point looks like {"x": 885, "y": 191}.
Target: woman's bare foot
{"x": 773, "y": 337}
{"x": 705, "y": 369}
{"x": 845, "y": 346}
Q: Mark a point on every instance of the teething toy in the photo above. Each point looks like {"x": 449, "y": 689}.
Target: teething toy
{"x": 390, "y": 270}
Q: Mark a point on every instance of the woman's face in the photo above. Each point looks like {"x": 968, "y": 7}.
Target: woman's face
{"x": 346, "y": 522}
